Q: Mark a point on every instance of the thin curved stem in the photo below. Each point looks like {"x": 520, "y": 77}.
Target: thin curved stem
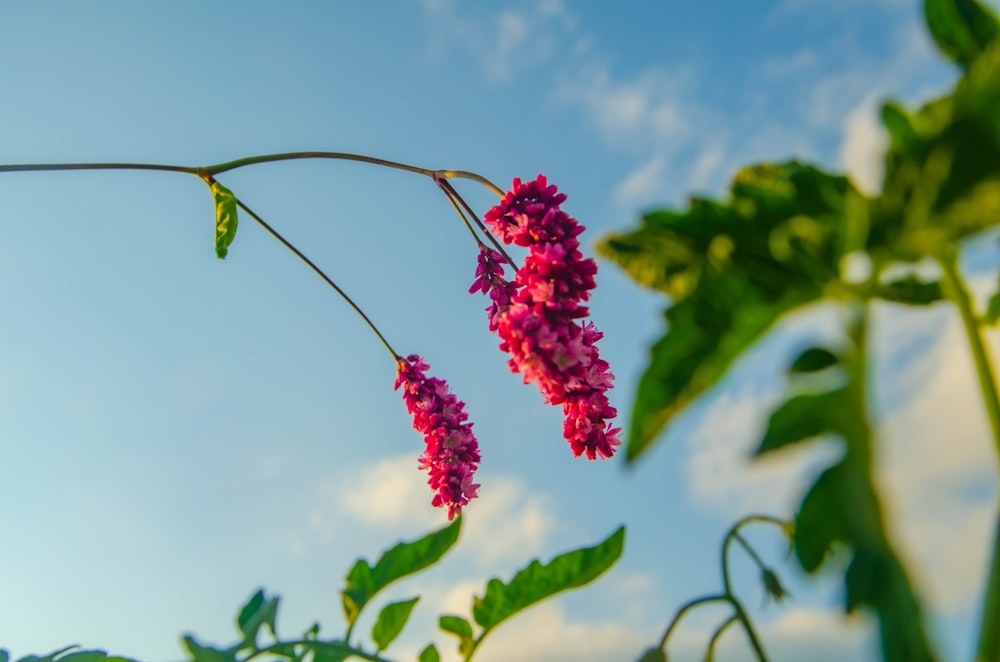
{"x": 710, "y": 651}
{"x": 733, "y": 534}
{"x": 988, "y": 647}
{"x": 454, "y": 195}
{"x": 464, "y": 174}
{"x": 291, "y": 156}
{"x": 687, "y": 606}
{"x": 36, "y": 167}
{"x": 274, "y": 233}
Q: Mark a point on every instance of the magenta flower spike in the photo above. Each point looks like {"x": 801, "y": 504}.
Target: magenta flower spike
{"x": 537, "y": 316}
{"x": 451, "y": 455}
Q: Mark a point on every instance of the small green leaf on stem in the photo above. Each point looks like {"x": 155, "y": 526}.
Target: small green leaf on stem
{"x": 226, "y": 218}
{"x": 802, "y": 417}
{"x": 255, "y": 614}
{"x": 993, "y": 310}
{"x": 429, "y": 654}
{"x": 461, "y": 628}
{"x": 364, "y": 581}
{"x": 390, "y": 622}
{"x": 910, "y": 291}
{"x": 537, "y": 582}
{"x": 773, "y": 588}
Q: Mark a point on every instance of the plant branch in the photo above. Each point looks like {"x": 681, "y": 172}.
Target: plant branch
{"x": 989, "y": 633}
{"x": 274, "y": 233}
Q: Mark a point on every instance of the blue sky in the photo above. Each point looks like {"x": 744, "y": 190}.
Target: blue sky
{"x": 178, "y": 430}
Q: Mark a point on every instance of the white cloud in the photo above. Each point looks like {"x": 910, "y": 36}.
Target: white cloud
{"x": 504, "y": 43}
{"x": 504, "y": 524}
{"x": 642, "y": 184}
{"x": 862, "y": 154}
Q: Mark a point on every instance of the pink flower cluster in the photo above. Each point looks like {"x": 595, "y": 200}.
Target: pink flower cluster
{"x": 452, "y": 452}
{"x": 537, "y": 316}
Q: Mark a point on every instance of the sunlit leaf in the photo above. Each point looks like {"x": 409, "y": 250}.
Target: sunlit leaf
{"x": 429, "y": 654}
{"x": 537, "y": 582}
{"x": 732, "y": 270}
{"x": 226, "y": 218}
{"x": 461, "y": 628}
{"x": 962, "y": 29}
{"x": 364, "y": 581}
{"x": 390, "y": 622}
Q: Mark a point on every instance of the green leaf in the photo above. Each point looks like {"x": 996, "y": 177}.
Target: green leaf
{"x": 899, "y": 126}
{"x": 92, "y": 656}
{"x": 813, "y": 359}
{"x": 962, "y": 29}
{"x": 803, "y": 417}
{"x": 4, "y": 655}
{"x": 391, "y": 621}
{"x": 910, "y": 291}
{"x": 257, "y": 612}
{"x": 537, "y": 582}
{"x": 819, "y": 523}
{"x": 462, "y": 629}
{"x": 732, "y": 269}
{"x": 364, "y": 581}
{"x": 331, "y": 651}
{"x": 287, "y": 650}
{"x": 47, "y": 658}
{"x": 200, "y": 653}
{"x": 226, "y": 218}
{"x": 429, "y": 654}
{"x": 654, "y": 655}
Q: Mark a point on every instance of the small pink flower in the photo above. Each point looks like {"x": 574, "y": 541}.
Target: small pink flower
{"x": 537, "y": 315}
{"x": 451, "y": 455}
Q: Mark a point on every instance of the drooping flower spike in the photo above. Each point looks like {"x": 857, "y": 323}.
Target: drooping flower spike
{"x": 451, "y": 455}
{"x": 537, "y": 315}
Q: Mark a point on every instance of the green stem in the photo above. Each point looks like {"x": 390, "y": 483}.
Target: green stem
{"x": 203, "y": 171}
{"x": 274, "y": 233}
{"x": 454, "y": 197}
{"x": 710, "y": 651}
{"x": 687, "y": 606}
{"x": 989, "y": 627}
{"x": 734, "y": 534}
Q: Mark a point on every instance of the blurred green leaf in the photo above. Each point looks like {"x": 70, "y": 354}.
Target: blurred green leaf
{"x": 4, "y": 655}
{"x": 819, "y": 523}
{"x": 256, "y": 613}
{"x": 200, "y": 653}
{"x": 803, "y": 417}
{"x": 287, "y": 650}
{"x": 429, "y": 654}
{"x": 226, "y": 218}
{"x": 910, "y": 291}
{"x": 462, "y": 629}
{"x": 92, "y": 656}
{"x": 364, "y": 581}
{"x": 537, "y": 582}
{"x": 390, "y": 622}
{"x": 962, "y": 29}
{"x": 331, "y": 651}
{"x": 813, "y": 359}
{"x": 47, "y": 658}
{"x": 732, "y": 270}
{"x": 654, "y": 655}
